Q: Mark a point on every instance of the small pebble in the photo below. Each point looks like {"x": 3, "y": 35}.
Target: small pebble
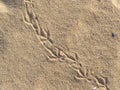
{"x": 113, "y": 34}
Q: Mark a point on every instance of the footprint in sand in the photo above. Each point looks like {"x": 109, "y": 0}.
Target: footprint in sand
{"x": 116, "y": 3}
{"x": 3, "y": 8}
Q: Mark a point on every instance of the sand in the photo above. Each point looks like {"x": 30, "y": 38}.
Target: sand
{"x": 59, "y": 45}
{"x": 116, "y": 3}
{"x": 3, "y": 8}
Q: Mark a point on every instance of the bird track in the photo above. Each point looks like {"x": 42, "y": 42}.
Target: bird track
{"x": 58, "y": 54}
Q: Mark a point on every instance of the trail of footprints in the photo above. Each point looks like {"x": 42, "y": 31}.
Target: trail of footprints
{"x": 56, "y": 53}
